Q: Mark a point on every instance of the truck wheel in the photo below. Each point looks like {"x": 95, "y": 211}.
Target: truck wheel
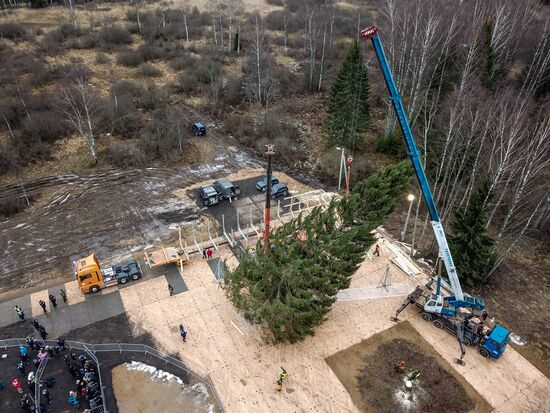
{"x": 426, "y": 316}
{"x": 285, "y": 193}
{"x": 94, "y": 289}
{"x": 123, "y": 280}
{"x": 136, "y": 277}
{"x": 484, "y": 352}
{"x": 438, "y": 324}
{"x": 466, "y": 341}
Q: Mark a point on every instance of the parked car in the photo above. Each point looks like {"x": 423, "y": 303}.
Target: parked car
{"x": 226, "y": 189}
{"x": 278, "y": 190}
{"x": 209, "y": 195}
{"x": 198, "y": 129}
{"x": 262, "y": 185}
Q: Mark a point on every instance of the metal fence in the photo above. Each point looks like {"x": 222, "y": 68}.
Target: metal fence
{"x": 91, "y": 349}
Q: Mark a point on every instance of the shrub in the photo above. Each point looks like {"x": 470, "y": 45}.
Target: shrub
{"x": 102, "y": 59}
{"x": 153, "y": 97}
{"x": 186, "y": 83}
{"x": 115, "y": 35}
{"x": 129, "y": 88}
{"x": 12, "y": 31}
{"x": 275, "y": 2}
{"x": 233, "y": 91}
{"x": 9, "y": 159}
{"x": 148, "y": 70}
{"x": 150, "y": 52}
{"x": 45, "y": 126}
{"x": 125, "y": 119}
{"x": 129, "y": 59}
{"x": 124, "y": 155}
{"x": 393, "y": 144}
{"x": 11, "y": 206}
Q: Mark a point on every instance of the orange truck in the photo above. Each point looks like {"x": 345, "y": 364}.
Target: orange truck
{"x": 91, "y": 278}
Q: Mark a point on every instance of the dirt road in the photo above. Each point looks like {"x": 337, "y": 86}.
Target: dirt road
{"x": 114, "y": 213}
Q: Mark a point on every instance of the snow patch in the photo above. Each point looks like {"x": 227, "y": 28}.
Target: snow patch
{"x": 198, "y": 391}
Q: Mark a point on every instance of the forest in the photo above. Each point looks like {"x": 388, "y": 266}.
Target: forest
{"x": 122, "y": 81}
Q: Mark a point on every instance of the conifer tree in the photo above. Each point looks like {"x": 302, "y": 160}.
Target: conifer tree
{"x": 471, "y": 246}
{"x": 290, "y": 290}
{"x": 348, "y": 109}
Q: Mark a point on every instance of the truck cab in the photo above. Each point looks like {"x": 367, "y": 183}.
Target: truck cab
{"x": 88, "y": 274}
{"x": 226, "y": 189}
{"x": 494, "y": 344}
{"x": 91, "y": 278}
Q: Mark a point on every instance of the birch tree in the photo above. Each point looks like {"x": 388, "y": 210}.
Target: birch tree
{"x": 80, "y": 104}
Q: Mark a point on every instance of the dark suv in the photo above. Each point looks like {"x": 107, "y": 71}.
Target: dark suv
{"x": 226, "y": 189}
{"x": 262, "y": 185}
{"x": 198, "y": 129}
{"x": 278, "y": 190}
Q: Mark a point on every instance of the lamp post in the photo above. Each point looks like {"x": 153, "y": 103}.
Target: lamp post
{"x": 342, "y": 161}
{"x": 410, "y": 198}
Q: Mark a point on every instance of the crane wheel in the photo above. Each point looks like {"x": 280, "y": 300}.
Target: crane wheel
{"x": 484, "y": 352}
{"x": 438, "y": 324}
{"x": 426, "y": 316}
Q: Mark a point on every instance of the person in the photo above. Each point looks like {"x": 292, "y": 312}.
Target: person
{"x": 35, "y": 363}
{"x": 53, "y": 301}
{"x": 170, "y": 289}
{"x": 21, "y": 367}
{"x": 43, "y": 333}
{"x": 61, "y": 343}
{"x": 63, "y": 295}
{"x": 30, "y": 342}
{"x": 46, "y": 394}
{"x": 50, "y": 351}
{"x": 376, "y": 250}
{"x": 23, "y": 353}
{"x": 282, "y": 376}
{"x": 31, "y": 380}
{"x": 209, "y": 252}
{"x": 36, "y": 325}
{"x": 17, "y": 385}
{"x": 19, "y": 312}
{"x": 73, "y": 398}
{"x": 204, "y": 253}
{"x": 183, "y": 332}
{"x": 42, "y": 355}
{"x": 400, "y": 367}
{"x": 43, "y": 305}
{"x": 82, "y": 359}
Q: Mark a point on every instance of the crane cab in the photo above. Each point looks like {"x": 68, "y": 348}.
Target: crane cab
{"x": 88, "y": 274}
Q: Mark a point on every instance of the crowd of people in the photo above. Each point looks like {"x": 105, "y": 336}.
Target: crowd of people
{"x": 83, "y": 370}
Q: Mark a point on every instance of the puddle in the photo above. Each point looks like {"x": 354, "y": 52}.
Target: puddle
{"x": 140, "y": 388}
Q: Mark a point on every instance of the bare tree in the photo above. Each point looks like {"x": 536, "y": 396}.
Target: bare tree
{"x": 258, "y": 43}
{"x": 72, "y": 14}
{"x": 184, "y": 13}
{"x": 80, "y": 104}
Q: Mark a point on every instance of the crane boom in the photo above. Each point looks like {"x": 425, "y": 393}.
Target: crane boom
{"x": 371, "y": 32}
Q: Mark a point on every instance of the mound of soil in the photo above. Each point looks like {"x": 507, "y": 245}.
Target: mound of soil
{"x": 433, "y": 391}
{"x": 367, "y": 371}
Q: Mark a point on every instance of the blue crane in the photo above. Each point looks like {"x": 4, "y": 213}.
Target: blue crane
{"x": 442, "y": 310}
{"x": 447, "y": 305}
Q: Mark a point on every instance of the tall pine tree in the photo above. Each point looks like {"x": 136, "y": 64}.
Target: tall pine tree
{"x": 348, "y": 109}
{"x": 290, "y": 290}
{"x": 470, "y": 244}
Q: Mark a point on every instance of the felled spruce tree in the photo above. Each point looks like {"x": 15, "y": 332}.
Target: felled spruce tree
{"x": 290, "y": 290}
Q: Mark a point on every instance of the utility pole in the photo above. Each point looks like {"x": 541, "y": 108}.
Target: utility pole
{"x": 348, "y": 178}
{"x": 267, "y": 211}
